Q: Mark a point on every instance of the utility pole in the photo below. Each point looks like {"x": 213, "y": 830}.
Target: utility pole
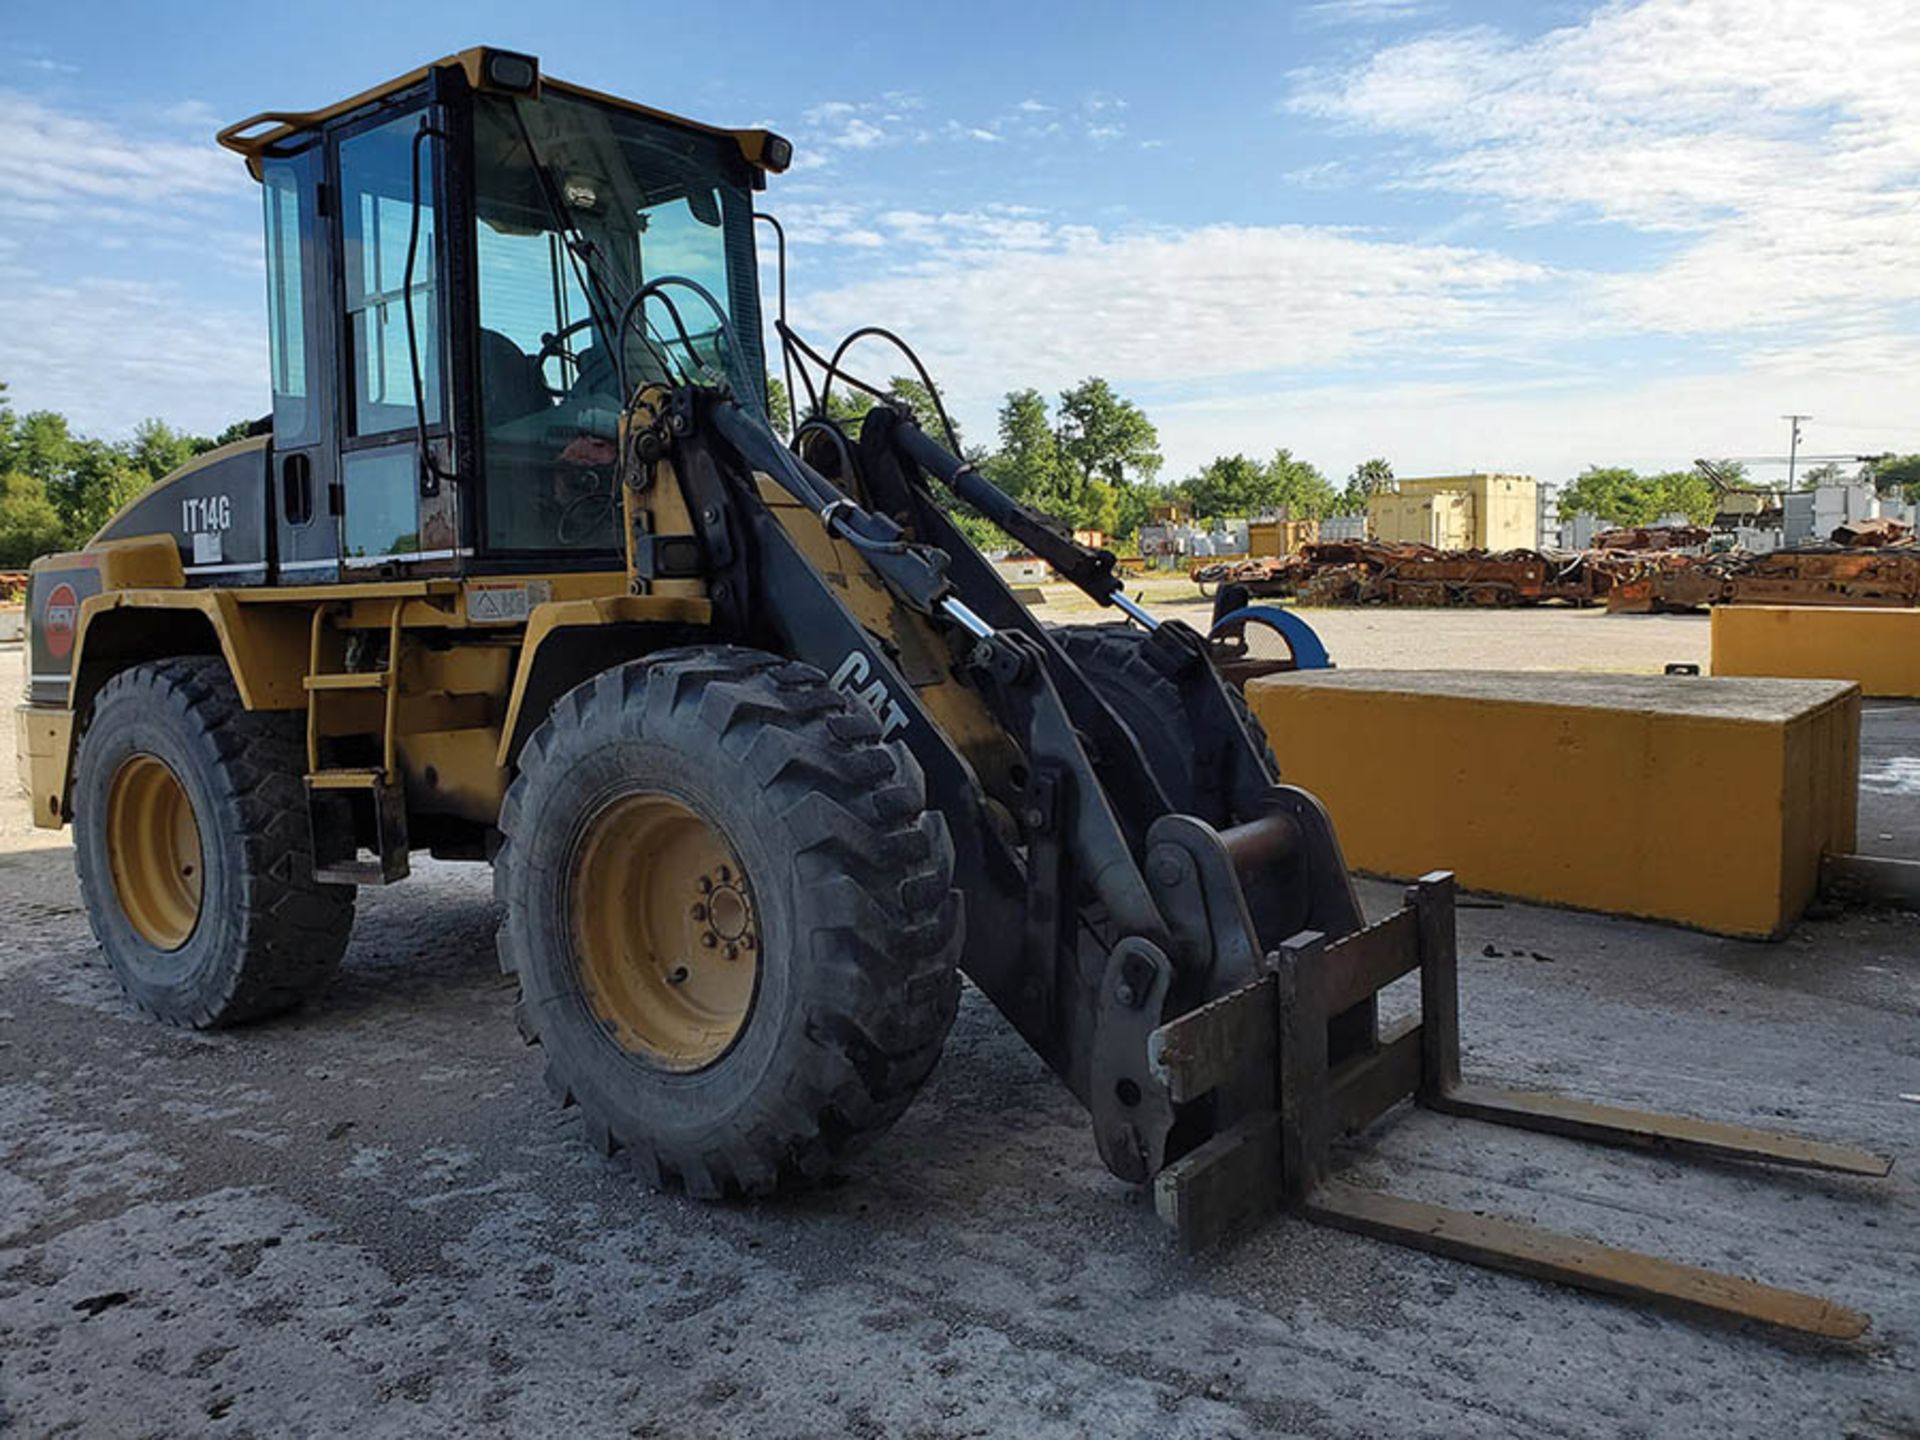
{"x": 1793, "y": 444}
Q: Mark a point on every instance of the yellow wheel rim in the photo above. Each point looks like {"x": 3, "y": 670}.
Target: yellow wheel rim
{"x": 153, "y": 849}
{"x": 664, "y": 931}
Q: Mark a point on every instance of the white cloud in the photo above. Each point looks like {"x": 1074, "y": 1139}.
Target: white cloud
{"x": 828, "y": 110}
{"x": 995, "y": 300}
{"x": 108, "y": 352}
{"x": 1368, "y": 12}
{"x": 858, "y": 134}
{"x": 1780, "y": 146}
{"x": 43, "y": 64}
{"x": 49, "y": 158}
{"x": 1554, "y": 429}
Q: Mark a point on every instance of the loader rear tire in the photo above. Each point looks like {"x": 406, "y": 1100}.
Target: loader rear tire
{"x": 193, "y": 849}
{"x": 748, "y": 820}
{"x": 1115, "y": 661}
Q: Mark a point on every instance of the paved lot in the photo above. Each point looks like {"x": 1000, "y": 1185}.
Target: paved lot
{"x": 370, "y": 1219}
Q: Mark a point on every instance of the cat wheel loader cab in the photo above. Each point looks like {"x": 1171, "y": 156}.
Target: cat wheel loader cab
{"x": 762, "y": 750}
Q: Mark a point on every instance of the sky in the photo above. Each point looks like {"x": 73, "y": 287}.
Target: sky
{"x": 1462, "y": 236}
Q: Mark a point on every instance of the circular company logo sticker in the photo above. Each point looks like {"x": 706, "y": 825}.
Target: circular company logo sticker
{"x": 57, "y": 620}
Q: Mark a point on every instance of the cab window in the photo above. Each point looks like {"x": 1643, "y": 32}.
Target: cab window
{"x": 376, "y": 218}
{"x": 577, "y": 206}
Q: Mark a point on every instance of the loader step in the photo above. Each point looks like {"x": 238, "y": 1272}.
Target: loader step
{"x": 348, "y": 680}
{"x": 359, "y": 821}
{"x": 345, "y": 779}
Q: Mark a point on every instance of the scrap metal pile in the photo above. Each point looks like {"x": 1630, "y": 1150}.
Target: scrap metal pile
{"x": 1374, "y": 572}
{"x": 1638, "y": 571}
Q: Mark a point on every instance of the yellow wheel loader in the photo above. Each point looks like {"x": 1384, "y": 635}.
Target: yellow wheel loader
{"x": 763, "y": 752}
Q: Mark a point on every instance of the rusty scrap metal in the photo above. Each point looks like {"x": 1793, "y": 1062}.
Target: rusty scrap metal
{"x": 1872, "y": 533}
{"x": 1831, "y": 575}
{"x": 1652, "y": 537}
{"x": 1377, "y": 572}
{"x": 1879, "y": 566}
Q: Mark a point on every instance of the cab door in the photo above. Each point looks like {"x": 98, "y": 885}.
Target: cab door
{"x": 396, "y": 513}
{"x": 299, "y": 319}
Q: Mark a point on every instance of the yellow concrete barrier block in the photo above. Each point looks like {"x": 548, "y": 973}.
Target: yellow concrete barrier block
{"x": 1702, "y": 800}
{"x": 1877, "y": 649}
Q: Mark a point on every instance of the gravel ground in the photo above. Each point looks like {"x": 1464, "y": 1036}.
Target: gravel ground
{"x": 1390, "y": 638}
{"x": 370, "y": 1218}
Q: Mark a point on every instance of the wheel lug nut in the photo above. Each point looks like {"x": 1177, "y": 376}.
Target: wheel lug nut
{"x": 706, "y": 885}
{"x": 733, "y": 952}
{"x": 723, "y": 874}
{"x": 709, "y": 940}
{"x": 699, "y": 911}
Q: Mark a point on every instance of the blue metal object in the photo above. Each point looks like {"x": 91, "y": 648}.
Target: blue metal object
{"x": 1306, "y": 648}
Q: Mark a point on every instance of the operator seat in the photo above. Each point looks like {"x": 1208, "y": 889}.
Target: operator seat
{"x": 511, "y": 387}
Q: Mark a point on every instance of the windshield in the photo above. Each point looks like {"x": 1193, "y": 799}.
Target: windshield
{"x": 568, "y": 229}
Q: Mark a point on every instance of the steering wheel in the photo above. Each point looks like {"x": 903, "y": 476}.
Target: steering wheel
{"x": 591, "y": 509}
{"x": 554, "y": 347}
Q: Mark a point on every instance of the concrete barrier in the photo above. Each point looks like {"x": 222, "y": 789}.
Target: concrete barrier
{"x": 13, "y": 623}
{"x": 1700, "y": 800}
{"x": 1876, "y": 648}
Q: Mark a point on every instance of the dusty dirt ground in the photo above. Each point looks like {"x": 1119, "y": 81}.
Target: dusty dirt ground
{"x": 369, "y": 1218}
{"x": 1381, "y": 637}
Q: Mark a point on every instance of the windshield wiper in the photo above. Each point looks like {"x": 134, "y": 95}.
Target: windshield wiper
{"x": 583, "y": 253}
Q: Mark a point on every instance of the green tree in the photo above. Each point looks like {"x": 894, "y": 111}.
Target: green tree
{"x": 905, "y": 392}
{"x": 777, "y": 410}
{"x": 1104, "y": 437}
{"x": 1369, "y": 478}
{"x": 1817, "y": 475}
{"x": 848, "y": 407}
{"x": 157, "y": 449}
{"x": 1028, "y": 464}
{"x": 1299, "y": 488}
{"x": 1614, "y": 494}
{"x": 1895, "y": 472}
{"x": 29, "y": 524}
{"x": 1230, "y": 485}
{"x": 8, "y": 424}
{"x": 1685, "y": 492}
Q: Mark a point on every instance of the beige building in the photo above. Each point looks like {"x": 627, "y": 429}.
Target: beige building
{"x": 1272, "y": 535}
{"x": 1459, "y": 512}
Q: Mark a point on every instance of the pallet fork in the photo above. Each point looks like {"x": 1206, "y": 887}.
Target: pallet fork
{"x": 1276, "y": 1029}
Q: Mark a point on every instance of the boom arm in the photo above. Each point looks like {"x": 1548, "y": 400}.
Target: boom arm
{"x": 1094, "y": 909}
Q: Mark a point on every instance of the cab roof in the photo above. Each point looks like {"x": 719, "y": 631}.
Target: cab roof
{"x": 487, "y": 69}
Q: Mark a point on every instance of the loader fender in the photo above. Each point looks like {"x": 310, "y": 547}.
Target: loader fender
{"x": 569, "y": 641}
{"x": 79, "y": 647}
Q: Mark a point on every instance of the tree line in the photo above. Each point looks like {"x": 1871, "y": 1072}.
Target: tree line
{"x": 57, "y": 486}
{"x": 1091, "y": 458}
{"x": 1088, "y": 456}
{"x": 1620, "y": 496}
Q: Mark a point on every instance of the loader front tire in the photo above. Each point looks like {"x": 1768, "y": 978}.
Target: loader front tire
{"x": 732, "y": 917}
{"x": 193, "y": 850}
